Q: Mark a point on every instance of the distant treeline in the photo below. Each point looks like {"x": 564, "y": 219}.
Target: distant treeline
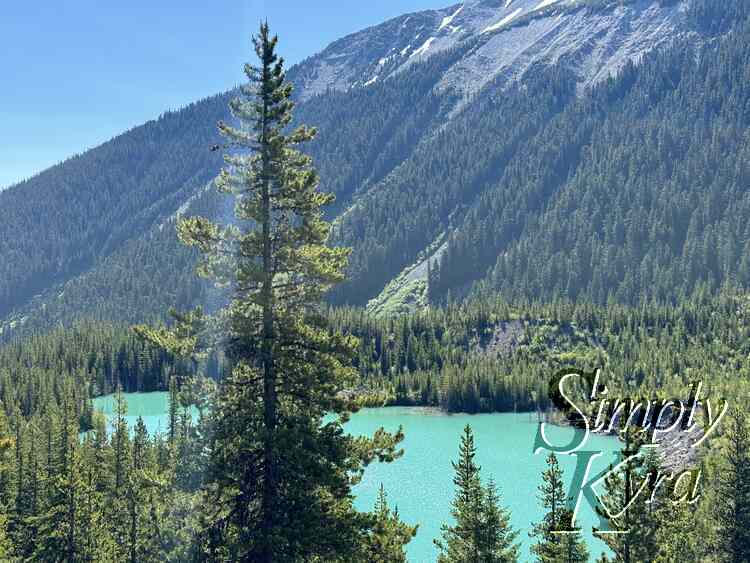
{"x": 481, "y": 356}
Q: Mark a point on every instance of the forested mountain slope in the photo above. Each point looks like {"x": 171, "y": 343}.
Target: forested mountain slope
{"x": 72, "y": 216}
{"x": 640, "y": 189}
{"x": 485, "y": 148}
{"x": 511, "y": 182}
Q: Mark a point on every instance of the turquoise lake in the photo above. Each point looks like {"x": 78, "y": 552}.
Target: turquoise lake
{"x": 420, "y": 483}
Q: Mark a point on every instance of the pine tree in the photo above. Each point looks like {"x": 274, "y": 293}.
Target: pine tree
{"x": 72, "y": 528}
{"x": 120, "y": 440}
{"x": 632, "y": 486}
{"x": 389, "y": 536}
{"x": 678, "y": 534}
{"x": 96, "y": 542}
{"x": 553, "y": 546}
{"x": 460, "y": 542}
{"x": 481, "y": 530}
{"x": 140, "y": 445}
{"x": 144, "y": 506}
{"x": 279, "y": 484}
{"x": 498, "y": 538}
{"x": 6, "y": 447}
{"x": 121, "y": 493}
{"x": 174, "y": 405}
{"x": 6, "y": 544}
{"x": 732, "y": 509}
{"x": 101, "y": 456}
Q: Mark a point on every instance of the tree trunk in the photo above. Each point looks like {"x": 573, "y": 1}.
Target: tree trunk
{"x": 269, "y": 374}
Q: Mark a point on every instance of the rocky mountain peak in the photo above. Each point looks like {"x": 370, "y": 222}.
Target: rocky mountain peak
{"x": 502, "y": 39}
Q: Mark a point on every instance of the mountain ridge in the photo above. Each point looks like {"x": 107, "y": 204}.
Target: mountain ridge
{"x": 510, "y": 37}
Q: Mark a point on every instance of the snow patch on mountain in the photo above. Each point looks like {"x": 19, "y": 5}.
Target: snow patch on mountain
{"x": 424, "y": 48}
{"x": 502, "y": 22}
{"x": 447, "y": 20}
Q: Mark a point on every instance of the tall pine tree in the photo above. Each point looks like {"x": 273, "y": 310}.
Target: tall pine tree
{"x": 279, "y": 487}
{"x": 481, "y": 531}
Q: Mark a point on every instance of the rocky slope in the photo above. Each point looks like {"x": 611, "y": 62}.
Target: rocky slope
{"x": 594, "y": 38}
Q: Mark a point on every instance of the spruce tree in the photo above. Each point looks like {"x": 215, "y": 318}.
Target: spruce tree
{"x": 679, "y": 533}
{"x": 6, "y": 447}
{"x": 101, "y": 455}
{"x": 732, "y": 509}
{"x": 557, "y": 540}
{"x": 460, "y": 542}
{"x": 481, "y": 531}
{"x": 140, "y": 445}
{"x": 498, "y": 538}
{"x": 632, "y": 486}
{"x": 122, "y": 458}
{"x": 279, "y": 484}
{"x": 73, "y": 528}
{"x": 120, "y": 440}
{"x": 389, "y": 536}
{"x": 97, "y": 538}
{"x": 174, "y": 405}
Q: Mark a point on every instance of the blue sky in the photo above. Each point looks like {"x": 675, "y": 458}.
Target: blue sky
{"x": 78, "y": 72}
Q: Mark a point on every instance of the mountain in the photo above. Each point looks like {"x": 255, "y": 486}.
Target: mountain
{"x": 539, "y": 149}
{"x": 506, "y": 38}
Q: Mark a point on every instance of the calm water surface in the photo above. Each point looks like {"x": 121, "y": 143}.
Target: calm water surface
{"x": 153, "y": 408}
{"x": 420, "y": 483}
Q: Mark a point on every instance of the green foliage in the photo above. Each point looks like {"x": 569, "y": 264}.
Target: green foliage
{"x": 708, "y": 529}
{"x": 73, "y": 216}
{"x": 389, "y": 536}
{"x": 631, "y": 193}
{"x": 279, "y": 481}
{"x": 91, "y": 497}
{"x": 481, "y": 532}
{"x": 557, "y": 541}
{"x": 732, "y": 508}
{"x": 637, "y": 520}
{"x": 626, "y": 193}
{"x": 679, "y": 535}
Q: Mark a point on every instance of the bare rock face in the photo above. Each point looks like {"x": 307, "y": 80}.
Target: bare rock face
{"x": 676, "y": 449}
{"x": 499, "y": 40}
